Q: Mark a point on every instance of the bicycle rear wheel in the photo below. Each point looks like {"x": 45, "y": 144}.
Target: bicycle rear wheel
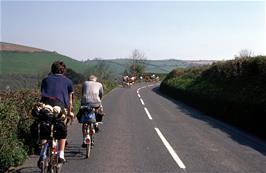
{"x": 59, "y": 167}
{"x": 56, "y": 168}
{"x": 45, "y": 162}
{"x": 88, "y": 150}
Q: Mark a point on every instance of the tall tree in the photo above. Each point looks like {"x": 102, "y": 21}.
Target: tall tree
{"x": 244, "y": 53}
{"x": 137, "y": 66}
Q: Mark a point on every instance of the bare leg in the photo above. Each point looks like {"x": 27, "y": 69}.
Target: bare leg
{"x": 62, "y": 145}
{"x": 83, "y": 130}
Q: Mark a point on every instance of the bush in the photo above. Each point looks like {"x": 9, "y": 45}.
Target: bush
{"x": 15, "y": 124}
{"x": 15, "y": 121}
{"x": 108, "y": 85}
{"x": 11, "y": 150}
{"x": 235, "y": 88}
{"x": 12, "y": 153}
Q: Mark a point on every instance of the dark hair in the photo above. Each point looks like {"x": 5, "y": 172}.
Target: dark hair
{"x": 58, "y": 67}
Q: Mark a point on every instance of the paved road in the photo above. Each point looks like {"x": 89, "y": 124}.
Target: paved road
{"x": 145, "y": 131}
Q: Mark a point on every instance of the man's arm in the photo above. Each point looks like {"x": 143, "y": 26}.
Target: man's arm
{"x": 70, "y": 115}
{"x": 70, "y": 104}
{"x": 70, "y": 89}
{"x": 101, "y": 92}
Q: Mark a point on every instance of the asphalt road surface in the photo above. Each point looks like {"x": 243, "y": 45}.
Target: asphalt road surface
{"x": 145, "y": 131}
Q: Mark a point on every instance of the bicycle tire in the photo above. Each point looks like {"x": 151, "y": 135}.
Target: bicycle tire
{"x": 51, "y": 161}
{"x": 59, "y": 167}
{"x": 88, "y": 150}
{"x": 45, "y": 166}
{"x": 55, "y": 167}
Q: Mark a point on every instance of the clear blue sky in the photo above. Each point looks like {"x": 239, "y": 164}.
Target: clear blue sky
{"x": 162, "y": 30}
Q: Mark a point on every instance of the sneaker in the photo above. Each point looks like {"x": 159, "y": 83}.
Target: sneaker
{"x": 96, "y": 129}
{"x": 83, "y": 145}
{"x": 61, "y": 160}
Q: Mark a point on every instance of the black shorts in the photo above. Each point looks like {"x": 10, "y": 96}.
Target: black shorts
{"x": 60, "y": 130}
{"x": 99, "y": 117}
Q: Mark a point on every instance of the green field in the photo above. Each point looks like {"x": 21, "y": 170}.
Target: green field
{"x": 118, "y": 66}
{"x": 25, "y": 69}
{"x": 35, "y": 63}
{"x": 39, "y": 63}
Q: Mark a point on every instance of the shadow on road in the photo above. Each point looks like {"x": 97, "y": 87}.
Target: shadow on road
{"x": 74, "y": 152}
{"x": 235, "y": 134}
{"x": 27, "y": 170}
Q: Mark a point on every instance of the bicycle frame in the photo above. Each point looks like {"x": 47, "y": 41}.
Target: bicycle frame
{"x": 51, "y": 164}
{"x": 88, "y": 127}
{"x": 88, "y": 130}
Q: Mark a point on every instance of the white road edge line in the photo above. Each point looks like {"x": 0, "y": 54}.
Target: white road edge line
{"x": 147, "y": 112}
{"x": 139, "y": 96}
{"x": 142, "y": 102}
{"x": 170, "y": 149}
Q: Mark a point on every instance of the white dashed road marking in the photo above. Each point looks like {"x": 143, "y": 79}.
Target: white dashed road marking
{"x": 170, "y": 149}
{"x": 165, "y": 142}
{"x": 142, "y": 102}
{"x": 147, "y": 112}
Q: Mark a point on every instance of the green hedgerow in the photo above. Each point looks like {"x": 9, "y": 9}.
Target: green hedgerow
{"x": 12, "y": 153}
{"x": 234, "y": 87}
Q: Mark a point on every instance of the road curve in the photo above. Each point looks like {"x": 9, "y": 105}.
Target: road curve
{"x": 145, "y": 131}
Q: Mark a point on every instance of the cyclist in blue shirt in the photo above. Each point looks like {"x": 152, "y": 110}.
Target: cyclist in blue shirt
{"x": 57, "y": 90}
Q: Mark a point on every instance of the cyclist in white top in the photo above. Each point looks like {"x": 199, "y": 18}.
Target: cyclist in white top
{"x": 92, "y": 92}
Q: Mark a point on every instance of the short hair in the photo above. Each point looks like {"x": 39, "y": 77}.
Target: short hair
{"x": 92, "y": 78}
{"x": 58, "y": 67}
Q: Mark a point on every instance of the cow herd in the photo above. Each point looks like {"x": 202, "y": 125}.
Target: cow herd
{"x": 128, "y": 81}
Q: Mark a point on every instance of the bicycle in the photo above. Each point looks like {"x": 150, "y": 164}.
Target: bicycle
{"x": 50, "y": 162}
{"x": 88, "y": 139}
{"x": 89, "y": 124}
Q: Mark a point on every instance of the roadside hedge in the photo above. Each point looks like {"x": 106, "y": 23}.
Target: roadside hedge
{"x": 15, "y": 121}
{"x": 233, "y": 91}
{"x": 15, "y": 138}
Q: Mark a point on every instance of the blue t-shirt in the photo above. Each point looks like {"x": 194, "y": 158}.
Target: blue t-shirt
{"x": 57, "y": 86}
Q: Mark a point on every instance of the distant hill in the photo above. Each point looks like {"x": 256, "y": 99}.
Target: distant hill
{"x": 151, "y": 66}
{"x": 18, "y": 48}
{"x": 19, "y": 59}
{"x": 23, "y": 66}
